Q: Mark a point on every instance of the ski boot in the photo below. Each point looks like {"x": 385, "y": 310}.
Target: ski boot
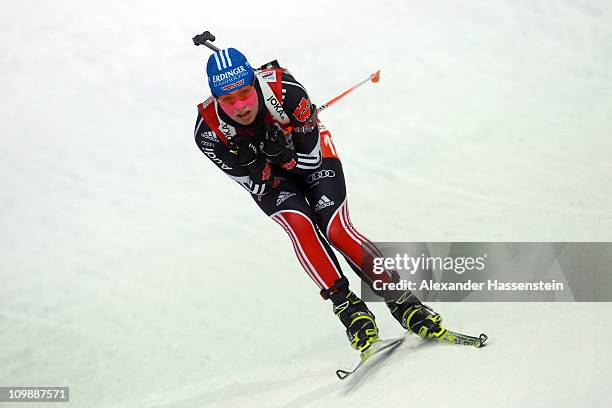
{"x": 416, "y": 317}
{"x": 361, "y": 328}
{"x": 359, "y": 322}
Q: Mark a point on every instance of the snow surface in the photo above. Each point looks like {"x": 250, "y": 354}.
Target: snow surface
{"x": 135, "y": 272}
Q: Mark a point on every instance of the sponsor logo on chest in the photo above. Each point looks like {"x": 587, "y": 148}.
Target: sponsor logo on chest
{"x": 226, "y": 130}
{"x": 269, "y": 76}
{"x": 273, "y": 102}
{"x": 209, "y": 136}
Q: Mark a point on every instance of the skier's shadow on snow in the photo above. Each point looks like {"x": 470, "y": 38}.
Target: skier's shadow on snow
{"x": 360, "y": 377}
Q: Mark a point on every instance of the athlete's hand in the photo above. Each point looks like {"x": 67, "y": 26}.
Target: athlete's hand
{"x": 275, "y": 141}
{"x": 243, "y": 150}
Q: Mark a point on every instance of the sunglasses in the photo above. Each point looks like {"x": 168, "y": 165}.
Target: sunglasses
{"x": 242, "y": 94}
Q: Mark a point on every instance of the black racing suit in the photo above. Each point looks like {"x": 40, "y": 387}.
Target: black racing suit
{"x": 307, "y": 198}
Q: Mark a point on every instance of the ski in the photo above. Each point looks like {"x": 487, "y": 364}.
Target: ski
{"x": 449, "y": 337}
{"x": 374, "y": 349}
{"x": 453, "y": 337}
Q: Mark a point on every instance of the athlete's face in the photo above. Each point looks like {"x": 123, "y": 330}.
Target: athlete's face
{"x": 241, "y": 105}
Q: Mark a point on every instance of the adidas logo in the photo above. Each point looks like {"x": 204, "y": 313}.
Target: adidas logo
{"x": 323, "y": 202}
{"x": 210, "y": 136}
{"x": 283, "y": 196}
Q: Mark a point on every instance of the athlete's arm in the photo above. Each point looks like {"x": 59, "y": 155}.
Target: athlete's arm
{"x": 255, "y": 175}
{"x": 305, "y": 155}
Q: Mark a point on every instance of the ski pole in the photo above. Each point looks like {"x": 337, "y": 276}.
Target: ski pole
{"x": 375, "y": 77}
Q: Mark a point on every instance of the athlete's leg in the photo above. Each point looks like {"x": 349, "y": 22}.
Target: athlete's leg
{"x": 326, "y": 192}
{"x": 287, "y": 206}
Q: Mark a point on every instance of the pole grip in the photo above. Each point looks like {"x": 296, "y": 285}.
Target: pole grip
{"x": 203, "y": 39}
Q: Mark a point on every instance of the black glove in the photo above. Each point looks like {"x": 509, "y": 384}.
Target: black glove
{"x": 274, "y": 143}
{"x": 243, "y": 150}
